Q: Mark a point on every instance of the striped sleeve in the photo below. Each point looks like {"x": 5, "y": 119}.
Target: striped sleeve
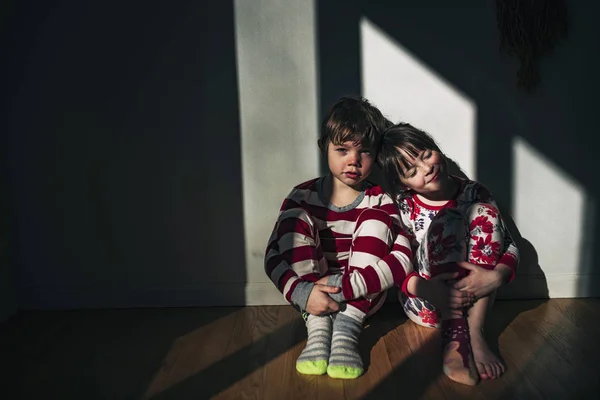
{"x": 291, "y": 248}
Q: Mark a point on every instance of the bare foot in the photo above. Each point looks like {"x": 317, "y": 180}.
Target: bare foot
{"x": 488, "y": 364}
{"x": 457, "y": 357}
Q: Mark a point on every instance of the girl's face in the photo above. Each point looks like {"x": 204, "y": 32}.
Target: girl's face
{"x": 426, "y": 172}
{"x": 349, "y": 163}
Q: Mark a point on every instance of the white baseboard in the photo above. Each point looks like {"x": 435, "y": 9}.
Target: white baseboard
{"x": 264, "y": 293}
{"x": 552, "y": 286}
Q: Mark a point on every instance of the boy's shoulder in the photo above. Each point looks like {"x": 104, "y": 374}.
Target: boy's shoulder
{"x": 302, "y": 194}
{"x": 308, "y": 185}
{"x": 377, "y": 197}
{"x": 374, "y": 190}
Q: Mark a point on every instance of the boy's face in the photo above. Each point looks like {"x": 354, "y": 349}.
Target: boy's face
{"x": 349, "y": 163}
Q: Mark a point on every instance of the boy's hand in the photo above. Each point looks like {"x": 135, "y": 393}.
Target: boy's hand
{"x": 480, "y": 281}
{"x": 319, "y": 302}
{"x": 323, "y": 281}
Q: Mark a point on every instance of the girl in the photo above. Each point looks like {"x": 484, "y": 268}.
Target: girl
{"x": 449, "y": 220}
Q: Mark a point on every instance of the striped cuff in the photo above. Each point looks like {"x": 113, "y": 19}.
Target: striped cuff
{"x": 404, "y": 286}
{"x": 511, "y": 263}
{"x": 336, "y": 280}
{"x": 301, "y": 293}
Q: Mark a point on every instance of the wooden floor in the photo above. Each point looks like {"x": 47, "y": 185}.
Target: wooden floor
{"x": 551, "y": 347}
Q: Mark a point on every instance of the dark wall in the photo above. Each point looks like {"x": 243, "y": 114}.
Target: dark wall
{"x": 122, "y": 150}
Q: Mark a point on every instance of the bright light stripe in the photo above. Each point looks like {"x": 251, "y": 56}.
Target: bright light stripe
{"x": 405, "y": 89}
{"x": 277, "y": 81}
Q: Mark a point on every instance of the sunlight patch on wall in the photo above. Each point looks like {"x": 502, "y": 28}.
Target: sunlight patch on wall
{"x": 407, "y": 90}
{"x": 548, "y": 208}
{"x": 277, "y": 81}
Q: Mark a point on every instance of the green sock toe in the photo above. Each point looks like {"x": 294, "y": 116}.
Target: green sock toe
{"x": 341, "y": 372}
{"x": 345, "y": 361}
{"x": 312, "y": 367}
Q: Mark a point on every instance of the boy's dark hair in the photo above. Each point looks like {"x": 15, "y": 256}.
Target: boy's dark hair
{"x": 353, "y": 119}
{"x": 398, "y": 137}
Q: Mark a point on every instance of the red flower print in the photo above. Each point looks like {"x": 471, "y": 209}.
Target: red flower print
{"x": 488, "y": 209}
{"x": 428, "y": 317}
{"x": 485, "y": 250}
{"x": 483, "y": 224}
{"x": 437, "y": 229}
{"x": 491, "y": 212}
{"x": 440, "y": 249}
{"x": 416, "y": 210}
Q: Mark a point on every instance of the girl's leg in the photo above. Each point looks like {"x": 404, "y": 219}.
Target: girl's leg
{"x": 345, "y": 361}
{"x": 315, "y": 357}
{"x": 420, "y": 311}
{"x": 488, "y": 364}
{"x": 444, "y": 244}
{"x": 484, "y": 249}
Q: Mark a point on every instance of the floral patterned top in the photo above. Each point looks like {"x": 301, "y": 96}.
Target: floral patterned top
{"x": 417, "y": 217}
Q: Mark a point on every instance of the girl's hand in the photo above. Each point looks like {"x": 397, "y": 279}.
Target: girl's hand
{"x": 439, "y": 292}
{"x": 480, "y": 281}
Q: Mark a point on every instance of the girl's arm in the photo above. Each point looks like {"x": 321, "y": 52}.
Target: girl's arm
{"x": 507, "y": 265}
{"x": 509, "y": 261}
{"x": 481, "y": 281}
{"x": 437, "y": 291}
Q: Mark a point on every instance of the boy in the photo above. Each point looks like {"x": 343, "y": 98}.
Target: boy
{"x": 335, "y": 224}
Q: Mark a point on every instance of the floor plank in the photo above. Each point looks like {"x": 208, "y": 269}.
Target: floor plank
{"x": 549, "y": 347}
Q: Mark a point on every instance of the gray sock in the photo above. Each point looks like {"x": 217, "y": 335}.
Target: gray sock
{"x": 345, "y": 361}
{"x": 314, "y": 358}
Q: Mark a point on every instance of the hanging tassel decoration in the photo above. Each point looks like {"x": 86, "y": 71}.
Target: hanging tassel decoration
{"x": 530, "y": 30}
